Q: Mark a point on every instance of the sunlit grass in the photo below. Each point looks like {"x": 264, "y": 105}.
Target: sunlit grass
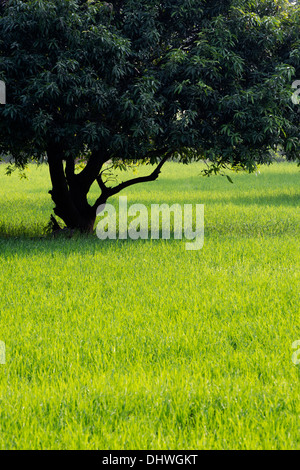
{"x": 142, "y": 344}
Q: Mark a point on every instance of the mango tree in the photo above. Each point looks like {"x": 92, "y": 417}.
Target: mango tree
{"x": 148, "y": 81}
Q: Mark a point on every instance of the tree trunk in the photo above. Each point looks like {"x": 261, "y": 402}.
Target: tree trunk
{"x": 69, "y": 193}
{"x": 69, "y": 190}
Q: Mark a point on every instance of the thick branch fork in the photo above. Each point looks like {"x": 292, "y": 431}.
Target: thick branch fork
{"x": 69, "y": 191}
{"x": 107, "y": 192}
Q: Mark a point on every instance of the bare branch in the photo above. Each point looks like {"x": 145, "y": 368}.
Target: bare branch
{"x": 70, "y": 169}
{"x": 92, "y": 168}
{"x": 108, "y": 192}
{"x": 101, "y": 183}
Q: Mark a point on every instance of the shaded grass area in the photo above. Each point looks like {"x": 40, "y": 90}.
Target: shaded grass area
{"x": 143, "y": 345}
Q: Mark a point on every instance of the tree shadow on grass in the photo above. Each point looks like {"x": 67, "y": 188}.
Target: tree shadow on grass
{"x": 248, "y": 179}
{"x": 278, "y": 200}
{"x": 237, "y": 198}
{"x": 81, "y": 245}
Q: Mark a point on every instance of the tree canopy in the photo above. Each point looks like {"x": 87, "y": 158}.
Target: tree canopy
{"x": 148, "y": 81}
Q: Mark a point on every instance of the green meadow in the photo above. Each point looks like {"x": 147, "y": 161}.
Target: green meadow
{"x": 144, "y": 345}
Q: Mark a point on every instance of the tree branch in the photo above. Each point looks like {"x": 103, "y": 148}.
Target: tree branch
{"x": 101, "y": 183}
{"x": 88, "y": 175}
{"x": 108, "y": 192}
{"x": 70, "y": 169}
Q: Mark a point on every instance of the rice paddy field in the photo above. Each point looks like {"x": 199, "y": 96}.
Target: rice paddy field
{"x": 123, "y": 344}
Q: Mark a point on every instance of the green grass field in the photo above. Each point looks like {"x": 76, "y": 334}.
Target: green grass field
{"x": 142, "y": 344}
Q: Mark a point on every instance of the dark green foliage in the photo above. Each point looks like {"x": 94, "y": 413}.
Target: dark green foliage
{"x": 130, "y": 80}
